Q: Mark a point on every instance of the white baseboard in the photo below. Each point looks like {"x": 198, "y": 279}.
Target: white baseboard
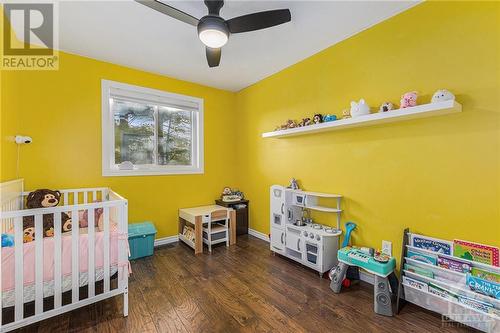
{"x": 166, "y": 240}
{"x": 258, "y": 234}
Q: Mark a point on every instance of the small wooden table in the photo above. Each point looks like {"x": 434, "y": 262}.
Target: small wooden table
{"x": 195, "y": 216}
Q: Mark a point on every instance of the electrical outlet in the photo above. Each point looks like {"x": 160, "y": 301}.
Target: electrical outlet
{"x": 387, "y": 247}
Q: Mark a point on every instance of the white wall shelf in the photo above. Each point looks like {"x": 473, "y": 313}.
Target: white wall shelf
{"x": 419, "y": 111}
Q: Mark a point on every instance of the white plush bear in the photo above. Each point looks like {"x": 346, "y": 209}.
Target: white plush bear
{"x": 359, "y": 109}
{"x": 442, "y": 95}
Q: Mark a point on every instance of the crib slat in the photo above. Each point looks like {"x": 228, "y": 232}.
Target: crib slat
{"x": 19, "y": 267}
{"x": 121, "y": 246}
{"x": 85, "y": 197}
{"x": 106, "y": 248}
{"x": 57, "y": 260}
{"x": 75, "y": 198}
{"x": 75, "y": 268}
{"x": 66, "y": 198}
{"x": 38, "y": 264}
{"x": 94, "y": 195}
{"x": 91, "y": 249}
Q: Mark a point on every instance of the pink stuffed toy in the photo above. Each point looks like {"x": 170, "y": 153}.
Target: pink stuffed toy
{"x": 409, "y": 99}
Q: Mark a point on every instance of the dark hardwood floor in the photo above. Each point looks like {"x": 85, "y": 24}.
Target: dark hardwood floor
{"x": 243, "y": 288}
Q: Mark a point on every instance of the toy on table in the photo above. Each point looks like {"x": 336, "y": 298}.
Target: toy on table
{"x": 381, "y": 257}
{"x": 360, "y": 108}
{"x": 383, "y": 272}
{"x": 7, "y": 240}
{"x": 329, "y": 117}
{"x": 387, "y": 106}
{"x": 442, "y": 95}
{"x": 409, "y": 99}
{"x": 318, "y": 118}
{"x": 229, "y": 195}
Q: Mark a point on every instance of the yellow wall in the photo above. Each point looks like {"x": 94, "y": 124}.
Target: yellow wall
{"x": 61, "y": 110}
{"x": 439, "y": 176}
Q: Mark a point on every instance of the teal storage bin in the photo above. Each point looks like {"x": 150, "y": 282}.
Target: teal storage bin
{"x": 141, "y": 239}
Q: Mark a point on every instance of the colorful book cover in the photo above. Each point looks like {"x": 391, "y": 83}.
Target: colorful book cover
{"x": 475, "y": 304}
{"x": 419, "y": 271}
{"x": 432, "y": 244}
{"x": 441, "y": 292}
{"x": 484, "y": 287}
{"x": 423, "y": 257}
{"x": 454, "y": 265}
{"x": 485, "y": 275}
{"x": 415, "y": 283}
{"x": 476, "y": 252}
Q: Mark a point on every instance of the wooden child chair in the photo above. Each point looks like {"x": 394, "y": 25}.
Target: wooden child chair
{"x": 217, "y": 229}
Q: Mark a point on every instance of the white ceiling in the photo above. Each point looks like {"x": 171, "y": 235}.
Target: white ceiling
{"x": 130, "y": 34}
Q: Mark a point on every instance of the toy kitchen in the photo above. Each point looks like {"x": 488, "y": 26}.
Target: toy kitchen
{"x": 295, "y": 235}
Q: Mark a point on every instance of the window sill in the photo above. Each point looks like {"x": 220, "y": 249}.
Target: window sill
{"x": 151, "y": 172}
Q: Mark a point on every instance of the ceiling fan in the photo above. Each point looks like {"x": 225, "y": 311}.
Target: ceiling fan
{"x": 214, "y": 31}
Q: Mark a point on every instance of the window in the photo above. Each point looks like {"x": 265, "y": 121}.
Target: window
{"x": 150, "y": 132}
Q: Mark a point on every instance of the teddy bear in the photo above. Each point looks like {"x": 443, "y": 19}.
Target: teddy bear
{"x": 42, "y": 198}
{"x": 305, "y": 122}
{"x": 409, "y": 99}
{"x": 360, "y": 108}
{"x": 318, "y": 118}
{"x": 442, "y": 95}
{"x": 387, "y": 106}
{"x": 66, "y": 222}
{"x": 291, "y": 123}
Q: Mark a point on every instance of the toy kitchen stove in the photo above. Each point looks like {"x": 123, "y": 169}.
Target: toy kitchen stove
{"x": 313, "y": 245}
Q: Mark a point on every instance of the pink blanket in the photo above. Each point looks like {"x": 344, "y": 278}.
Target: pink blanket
{"x": 8, "y": 258}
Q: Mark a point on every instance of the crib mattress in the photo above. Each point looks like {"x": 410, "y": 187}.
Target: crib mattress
{"x": 9, "y": 296}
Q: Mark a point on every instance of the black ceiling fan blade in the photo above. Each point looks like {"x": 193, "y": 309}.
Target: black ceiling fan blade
{"x": 257, "y": 21}
{"x": 170, "y": 11}
{"x": 213, "y": 56}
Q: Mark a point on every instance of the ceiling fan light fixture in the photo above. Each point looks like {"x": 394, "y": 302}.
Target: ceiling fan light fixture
{"x": 213, "y": 31}
{"x": 213, "y": 38}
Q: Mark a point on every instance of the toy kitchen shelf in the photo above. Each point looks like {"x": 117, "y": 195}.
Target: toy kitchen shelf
{"x": 310, "y": 201}
{"x": 419, "y": 111}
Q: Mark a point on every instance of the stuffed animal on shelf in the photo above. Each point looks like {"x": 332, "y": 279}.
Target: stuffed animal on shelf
{"x": 442, "y": 95}
{"x": 409, "y": 99}
{"x": 291, "y": 124}
{"x": 329, "y": 117}
{"x": 346, "y": 114}
{"x": 305, "y": 122}
{"x": 7, "y": 240}
{"x": 318, "y": 118}
{"x": 387, "y": 106}
{"x": 360, "y": 108}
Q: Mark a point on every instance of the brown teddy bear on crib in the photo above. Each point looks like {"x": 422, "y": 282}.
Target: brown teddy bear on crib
{"x": 42, "y": 198}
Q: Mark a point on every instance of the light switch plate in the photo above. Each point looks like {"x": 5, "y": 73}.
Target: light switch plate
{"x": 387, "y": 247}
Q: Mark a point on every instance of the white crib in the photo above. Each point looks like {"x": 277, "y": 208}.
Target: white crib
{"x": 115, "y": 208}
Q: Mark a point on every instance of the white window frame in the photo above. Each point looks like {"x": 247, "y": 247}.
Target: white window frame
{"x": 109, "y": 90}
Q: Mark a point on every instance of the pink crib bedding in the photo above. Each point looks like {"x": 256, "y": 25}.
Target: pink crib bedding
{"x": 8, "y": 258}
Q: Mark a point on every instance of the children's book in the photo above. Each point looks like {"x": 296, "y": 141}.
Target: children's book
{"x": 476, "y": 252}
{"x": 415, "y": 283}
{"x": 454, "y": 265}
{"x": 484, "y": 287}
{"x": 419, "y": 270}
{"x": 442, "y": 292}
{"x": 431, "y": 244}
{"x": 423, "y": 257}
{"x": 485, "y": 275}
{"x": 475, "y": 304}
